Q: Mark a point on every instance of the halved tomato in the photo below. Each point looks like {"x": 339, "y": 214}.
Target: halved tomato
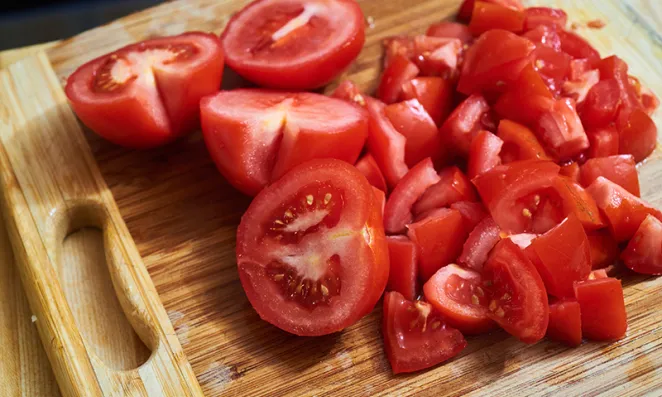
{"x": 644, "y": 251}
{"x": 603, "y": 141}
{"x": 565, "y": 322}
{"x": 465, "y": 122}
{"x": 516, "y": 293}
{"x": 487, "y": 16}
{"x": 255, "y": 136}
{"x": 399, "y": 70}
{"x": 637, "y": 133}
{"x": 553, "y": 17}
{"x": 147, "y": 94}
{"x": 571, "y": 171}
{"x": 519, "y": 143}
{"x": 422, "y": 136}
{"x": 561, "y": 130}
{"x": 311, "y": 251}
{"x": 403, "y": 273}
{"x": 478, "y": 245}
{"x": 369, "y": 168}
{"x": 602, "y": 308}
{"x": 484, "y": 153}
{"x": 294, "y": 44}
{"x": 416, "y": 336}
{"x": 451, "y": 30}
{"x": 434, "y": 93}
{"x": 385, "y": 143}
{"x": 604, "y": 249}
{"x": 458, "y": 295}
{"x": 619, "y": 169}
{"x": 453, "y": 186}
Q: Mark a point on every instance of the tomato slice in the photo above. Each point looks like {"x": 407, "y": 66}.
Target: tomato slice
{"x": 438, "y": 239}
{"x": 434, "y": 93}
{"x": 349, "y": 92}
{"x": 453, "y": 186}
{"x": 472, "y": 212}
{"x": 643, "y": 253}
{"x": 255, "y": 136}
{"x": 487, "y": 16}
{"x": 578, "y": 88}
{"x": 399, "y": 71}
{"x": 369, "y": 168}
{"x": 385, "y": 143}
{"x": 484, "y": 153}
{"x": 624, "y": 210}
{"x": 294, "y": 44}
{"x": 437, "y": 56}
{"x": 603, "y": 141}
{"x": 422, "y": 136}
{"x": 147, "y": 94}
{"x": 601, "y": 104}
{"x": 637, "y": 134}
{"x": 465, "y": 122}
{"x": 578, "y": 48}
{"x": 561, "y": 130}
{"x": 565, "y": 322}
{"x": 519, "y": 143}
{"x": 571, "y": 171}
{"x": 480, "y": 242}
{"x": 398, "y": 210}
{"x": 516, "y": 293}
{"x": 458, "y": 295}
{"x": 450, "y": 30}
{"x": 602, "y": 308}
{"x": 415, "y": 335}
{"x": 403, "y": 273}
{"x": 619, "y": 169}
{"x": 562, "y": 256}
{"x": 537, "y": 16}
{"x": 526, "y": 100}
{"x": 604, "y": 249}
{"x": 311, "y": 251}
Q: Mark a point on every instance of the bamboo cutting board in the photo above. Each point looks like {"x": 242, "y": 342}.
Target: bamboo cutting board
{"x": 182, "y": 216}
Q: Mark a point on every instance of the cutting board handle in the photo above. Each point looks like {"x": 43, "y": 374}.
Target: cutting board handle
{"x": 51, "y": 186}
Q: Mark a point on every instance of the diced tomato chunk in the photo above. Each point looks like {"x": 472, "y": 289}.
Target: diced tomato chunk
{"x": 598, "y": 273}
{"x": 578, "y": 48}
{"x": 603, "y": 141}
{"x": 464, "y": 123}
{"x": 437, "y": 56}
{"x": 522, "y": 240}
{"x": 453, "y": 186}
{"x": 484, "y": 153}
{"x": 619, "y": 169}
{"x": 519, "y": 143}
{"x": 434, "y": 93}
{"x": 571, "y": 171}
{"x": 414, "y": 123}
{"x": 578, "y": 67}
{"x": 451, "y": 30}
{"x": 399, "y": 70}
{"x": 385, "y": 143}
{"x": 526, "y": 100}
{"x": 601, "y": 104}
{"x": 480, "y": 242}
{"x": 637, "y": 134}
{"x": 561, "y": 130}
{"x": 536, "y": 16}
{"x": 546, "y": 36}
{"x": 644, "y": 251}
{"x": 604, "y": 249}
{"x": 349, "y": 92}
{"x": 577, "y": 201}
{"x": 565, "y": 322}
{"x": 403, "y": 271}
{"x": 487, "y": 16}
{"x": 472, "y": 212}
{"x": 553, "y": 65}
{"x": 397, "y": 45}
{"x": 369, "y": 168}
{"x": 578, "y": 88}
{"x": 602, "y": 308}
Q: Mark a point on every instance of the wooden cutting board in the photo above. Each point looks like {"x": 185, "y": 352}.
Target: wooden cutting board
{"x": 182, "y": 216}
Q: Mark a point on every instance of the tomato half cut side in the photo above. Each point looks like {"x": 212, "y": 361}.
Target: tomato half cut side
{"x": 453, "y": 186}
{"x": 311, "y": 251}
{"x": 604, "y": 249}
{"x": 403, "y": 273}
{"x": 416, "y": 336}
{"x": 458, "y": 294}
{"x": 294, "y": 44}
{"x": 369, "y": 168}
{"x": 480, "y": 242}
{"x": 619, "y": 169}
{"x": 254, "y": 136}
{"x": 434, "y": 93}
{"x": 484, "y": 153}
{"x": 147, "y": 94}
{"x": 643, "y": 253}
{"x": 565, "y": 322}
{"x": 602, "y": 308}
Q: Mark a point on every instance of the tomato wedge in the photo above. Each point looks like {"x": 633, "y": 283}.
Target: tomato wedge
{"x": 399, "y": 70}
{"x": 519, "y": 143}
{"x": 602, "y": 308}
{"x": 619, "y": 169}
{"x": 385, "y": 143}
{"x": 644, "y": 251}
{"x": 458, "y": 295}
{"x": 415, "y": 335}
{"x": 311, "y": 251}
{"x": 255, "y": 136}
{"x": 403, "y": 272}
{"x": 516, "y": 293}
{"x": 487, "y": 16}
{"x": 147, "y": 94}
{"x": 369, "y": 168}
{"x": 453, "y": 186}
{"x": 434, "y": 93}
{"x": 604, "y": 249}
{"x": 484, "y": 153}
{"x": 465, "y": 122}
{"x": 294, "y": 44}
{"x": 422, "y": 136}
{"x": 480, "y": 242}
{"x": 565, "y": 322}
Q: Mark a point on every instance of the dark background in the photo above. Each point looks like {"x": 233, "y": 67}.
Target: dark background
{"x": 26, "y": 22}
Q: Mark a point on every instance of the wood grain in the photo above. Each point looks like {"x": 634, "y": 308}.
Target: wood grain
{"x": 182, "y": 216}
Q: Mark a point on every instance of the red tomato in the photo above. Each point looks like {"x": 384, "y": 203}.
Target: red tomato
{"x": 398, "y": 45}
{"x": 571, "y": 171}
{"x": 553, "y": 65}
{"x": 480, "y": 242}
{"x": 561, "y": 130}
{"x": 484, "y": 153}
{"x": 505, "y": 190}
{"x": 493, "y": 61}
{"x": 147, "y": 94}
{"x": 604, "y": 249}
{"x": 468, "y": 5}
{"x": 385, "y": 143}
{"x": 644, "y": 251}
{"x": 434, "y": 93}
{"x": 369, "y": 168}
{"x": 624, "y": 210}
{"x": 439, "y": 239}
{"x": 649, "y": 100}
{"x": 562, "y": 256}
{"x": 255, "y": 136}
{"x": 397, "y": 213}
{"x": 471, "y": 212}
{"x": 422, "y": 136}
{"x": 399, "y": 71}
{"x": 578, "y": 89}
{"x": 459, "y": 296}
{"x": 552, "y": 17}
{"x": 578, "y": 48}
{"x": 601, "y": 104}
{"x": 526, "y": 100}
{"x": 403, "y": 272}
{"x": 320, "y": 211}
{"x": 516, "y": 293}
{"x": 487, "y": 16}
{"x": 603, "y": 141}
{"x": 465, "y": 122}
{"x": 415, "y": 335}
{"x": 565, "y": 322}
{"x": 578, "y": 67}
{"x": 615, "y": 68}
{"x": 577, "y": 201}
{"x": 349, "y": 92}
{"x": 519, "y": 143}
{"x": 637, "y": 134}
{"x": 599, "y": 273}
{"x": 294, "y": 44}
{"x": 602, "y": 308}
{"x": 437, "y": 56}
{"x": 451, "y": 30}
{"x": 545, "y": 35}
{"x": 619, "y": 169}
{"x": 453, "y": 186}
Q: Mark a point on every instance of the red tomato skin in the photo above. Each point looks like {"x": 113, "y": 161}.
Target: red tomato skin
{"x": 349, "y": 92}
{"x": 577, "y": 201}
{"x": 624, "y": 210}
{"x": 451, "y": 30}
{"x": 453, "y": 186}
{"x": 643, "y": 253}
{"x": 537, "y": 16}
{"x": 478, "y": 245}
{"x": 398, "y": 210}
{"x": 434, "y": 93}
{"x": 506, "y": 268}
{"x": 472, "y": 212}
{"x": 571, "y": 171}
{"x": 578, "y": 48}
{"x": 603, "y": 141}
{"x": 487, "y": 16}
{"x": 579, "y": 87}
{"x": 619, "y": 169}
{"x": 403, "y": 272}
{"x": 292, "y": 74}
{"x": 483, "y": 153}
{"x": 604, "y": 249}
{"x": 562, "y": 256}
{"x": 467, "y": 317}
{"x": 637, "y": 134}
{"x": 561, "y": 130}
{"x": 422, "y": 136}
{"x": 519, "y": 143}
{"x": 602, "y": 308}
{"x": 385, "y": 143}
{"x": 369, "y": 168}
{"x": 438, "y": 239}
{"x": 179, "y": 93}
{"x": 399, "y": 71}
{"x": 464, "y": 123}
{"x": 601, "y": 104}
{"x": 565, "y": 322}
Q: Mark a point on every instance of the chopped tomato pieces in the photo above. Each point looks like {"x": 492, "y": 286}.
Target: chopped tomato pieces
{"x": 565, "y": 322}
{"x": 644, "y": 251}
{"x": 399, "y": 70}
{"x": 369, "y": 168}
{"x": 487, "y": 16}
{"x": 561, "y": 130}
{"x": 422, "y": 137}
{"x": 453, "y": 186}
{"x": 637, "y": 134}
{"x": 385, "y": 143}
{"x": 434, "y": 93}
{"x": 484, "y": 153}
{"x": 603, "y": 142}
{"x": 451, "y": 30}
{"x": 571, "y": 171}
{"x": 619, "y": 169}
{"x": 403, "y": 272}
{"x": 480, "y": 242}
{"x": 536, "y": 16}
{"x": 604, "y": 249}
{"x": 602, "y": 308}
{"x": 519, "y": 143}
{"x": 465, "y": 122}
